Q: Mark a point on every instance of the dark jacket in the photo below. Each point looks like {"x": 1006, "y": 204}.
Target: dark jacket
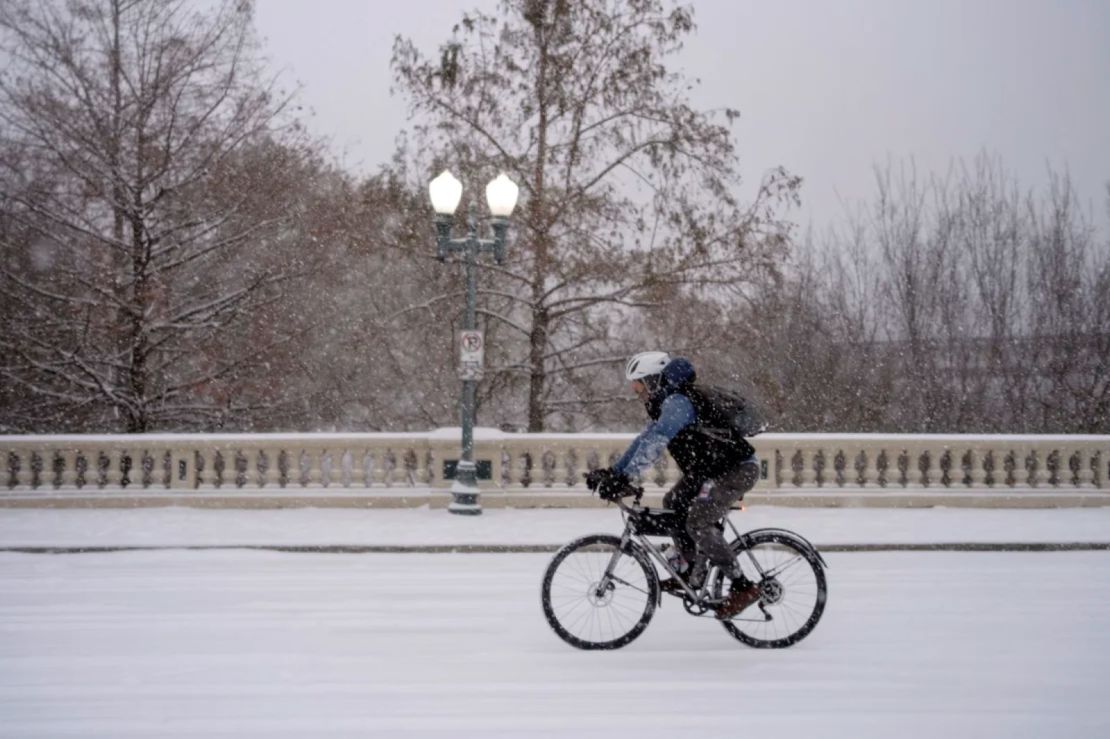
{"x": 698, "y": 455}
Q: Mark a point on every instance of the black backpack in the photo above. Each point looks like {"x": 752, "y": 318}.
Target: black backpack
{"x": 725, "y": 414}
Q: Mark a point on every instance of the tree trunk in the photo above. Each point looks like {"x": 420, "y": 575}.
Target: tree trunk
{"x": 537, "y": 339}
{"x": 537, "y": 350}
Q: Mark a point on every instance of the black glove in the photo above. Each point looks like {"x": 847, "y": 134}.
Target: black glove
{"x": 608, "y": 484}
{"x": 594, "y": 478}
{"x": 614, "y": 487}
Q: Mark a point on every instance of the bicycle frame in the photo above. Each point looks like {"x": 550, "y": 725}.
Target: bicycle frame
{"x": 630, "y": 534}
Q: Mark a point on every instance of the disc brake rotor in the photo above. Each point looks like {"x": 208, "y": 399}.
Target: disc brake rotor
{"x": 771, "y": 591}
{"x": 598, "y": 600}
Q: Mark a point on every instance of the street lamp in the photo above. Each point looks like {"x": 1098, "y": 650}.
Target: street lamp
{"x": 501, "y": 194}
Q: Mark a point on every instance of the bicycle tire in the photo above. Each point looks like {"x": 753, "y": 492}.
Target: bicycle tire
{"x": 578, "y": 613}
{"x": 797, "y": 602}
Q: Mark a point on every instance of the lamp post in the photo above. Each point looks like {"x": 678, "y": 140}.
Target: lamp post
{"x": 501, "y": 195}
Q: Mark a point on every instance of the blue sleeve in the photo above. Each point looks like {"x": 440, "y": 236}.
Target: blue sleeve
{"x": 676, "y": 413}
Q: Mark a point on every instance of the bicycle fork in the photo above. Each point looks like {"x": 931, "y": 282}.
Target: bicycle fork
{"x": 605, "y": 583}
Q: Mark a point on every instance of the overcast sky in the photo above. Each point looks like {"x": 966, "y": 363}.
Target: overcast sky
{"x": 826, "y": 89}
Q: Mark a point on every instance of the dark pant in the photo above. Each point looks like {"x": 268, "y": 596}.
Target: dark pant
{"x": 700, "y": 504}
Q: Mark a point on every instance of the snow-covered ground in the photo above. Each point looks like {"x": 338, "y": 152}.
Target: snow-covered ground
{"x": 413, "y": 526}
{"x": 260, "y": 644}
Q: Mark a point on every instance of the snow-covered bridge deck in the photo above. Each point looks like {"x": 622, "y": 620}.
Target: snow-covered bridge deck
{"x": 256, "y": 643}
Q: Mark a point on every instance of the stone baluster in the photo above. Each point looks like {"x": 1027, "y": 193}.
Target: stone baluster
{"x": 931, "y": 477}
{"x": 259, "y": 462}
{"x": 47, "y": 476}
{"x": 216, "y": 468}
{"x": 894, "y": 461}
{"x": 1038, "y": 476}
{"x": 790, "y": 459}
{"x": 423, "y": 472}
{"x": 1055, "y": 458}
{"x": 69, "y": 469}
{"x": 835, "y": 478}
{"x": 251, "y": 476}
{"x": 331, "y": 467}
{"x": 138, "y": 475}
{"x": 1023, "y": 475}
{"x": 978, "y": 472}
{"x": 376, "y": 460}
{"x": 1082, "y": 456}
{"x": 824, "y": 472}
{"x": 271, "y": 476}
{"x": 315, "y": 459}
{"x": 202, "y": 462}
{"x": 914, "y": 475}
{"x": 855, "y": 467}
{"x": 114, "y": 473}
{"x": 161, "y": 474}
{"x": 809, "y": 470}
{"x": 539, "y": 467}
{"x": 536, "y": 473}
{"x": 358, "y": 467}
{"x": 235, "y": 460}
{"x": 23, "y": 474}
{"x": 541, "y": 473}
{"x": 229, "y": 475}
{"x": 871, "y": 469}
{"x": 159, "y": 468}
{"x": 1086, "y": 475}
{"x": 391, "y": 466}
{"x": 497, "y": 461}
{"x": 1069, "y": 475}
{"x": 559, "y": 472}
{"x": 515, "y": 466}
{"x": 508, "y": 458}
{"x": 341, "y": 467}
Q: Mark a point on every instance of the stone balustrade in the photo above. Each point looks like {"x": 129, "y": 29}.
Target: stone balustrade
{"x": 508, "y": 461}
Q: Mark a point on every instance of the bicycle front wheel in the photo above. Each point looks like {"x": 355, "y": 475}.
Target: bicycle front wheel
{"x": 792, "y": 587}
{"x": 596, "y": 596}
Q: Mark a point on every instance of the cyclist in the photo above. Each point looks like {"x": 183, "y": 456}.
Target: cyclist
{"x": 716, "y": 473}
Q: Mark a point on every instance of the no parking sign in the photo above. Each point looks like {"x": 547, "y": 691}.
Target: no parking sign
{"x": 472, "y": 347}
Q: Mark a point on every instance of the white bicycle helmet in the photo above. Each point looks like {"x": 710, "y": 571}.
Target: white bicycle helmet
{"x": 644, "y": 364}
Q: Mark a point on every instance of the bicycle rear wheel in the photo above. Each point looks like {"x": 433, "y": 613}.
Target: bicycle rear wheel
{"x": 793, "y": 590}
{"x": 597, "y": 597}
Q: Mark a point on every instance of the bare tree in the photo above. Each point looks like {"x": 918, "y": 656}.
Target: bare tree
{"x": 628, "y": 190}
{"x": 1071, "y": 337}
{"x": 956, "y": 303}
{"x": 123, "y": 265}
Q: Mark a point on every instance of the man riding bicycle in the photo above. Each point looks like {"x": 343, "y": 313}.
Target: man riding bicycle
{"x": 716, "y": 472}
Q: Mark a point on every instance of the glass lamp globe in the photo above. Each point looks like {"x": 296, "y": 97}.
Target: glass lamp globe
{"x": 501, "y": 195}
{"x": 446, "y": 191}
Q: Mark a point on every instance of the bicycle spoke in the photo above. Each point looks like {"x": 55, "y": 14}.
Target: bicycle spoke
{"x": 597, "y": 596}
{"x": 793, "y": 592}
{"x": 634, "y": 587}
{"x": 774, "y": 571}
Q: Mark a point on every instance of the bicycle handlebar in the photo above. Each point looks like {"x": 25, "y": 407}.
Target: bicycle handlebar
{"x": 635, "y": 491}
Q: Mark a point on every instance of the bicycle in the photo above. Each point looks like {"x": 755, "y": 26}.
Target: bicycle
{"x": 600, "y": 591}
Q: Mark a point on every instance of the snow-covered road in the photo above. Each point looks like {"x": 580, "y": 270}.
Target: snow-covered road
{"x": 45, "y": 527}
{"x": 264, "y": 644}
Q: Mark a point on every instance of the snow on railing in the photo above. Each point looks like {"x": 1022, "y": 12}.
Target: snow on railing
{"x": 548, "y": 461}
